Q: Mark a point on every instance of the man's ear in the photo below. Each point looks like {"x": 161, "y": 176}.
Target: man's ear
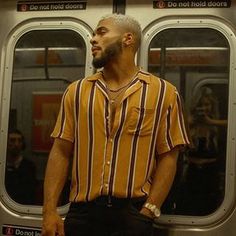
{"x": 128, "y": 39}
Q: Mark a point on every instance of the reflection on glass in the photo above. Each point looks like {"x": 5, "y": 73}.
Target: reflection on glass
{"x": 203, "y": 183}
{"x": 196, "y": 61}
{"x": 45, "y": 62}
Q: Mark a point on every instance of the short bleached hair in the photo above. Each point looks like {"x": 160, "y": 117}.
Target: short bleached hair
{"x": 129, "y": 24}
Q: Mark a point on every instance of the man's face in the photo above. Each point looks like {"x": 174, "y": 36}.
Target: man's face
{"x": 106, "y": 43}
{"x": 15, "y": 144}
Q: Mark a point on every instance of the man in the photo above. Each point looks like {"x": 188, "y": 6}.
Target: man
{"x": 124, "y": 127}
{"x": 20, "y": 180}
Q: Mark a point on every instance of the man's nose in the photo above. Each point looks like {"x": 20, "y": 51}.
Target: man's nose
{"x": 17, "y": 142}
{"x": 93, "y": 40}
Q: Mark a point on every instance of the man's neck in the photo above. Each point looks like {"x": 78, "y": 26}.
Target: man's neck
{"x": 118, "y": 75}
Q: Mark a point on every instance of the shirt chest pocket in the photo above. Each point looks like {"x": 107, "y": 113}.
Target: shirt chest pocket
{"x": 140, "y": 121}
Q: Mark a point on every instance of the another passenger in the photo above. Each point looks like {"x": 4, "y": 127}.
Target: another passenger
{"x": 203, "y": 191}
{"x": 20, "y": 180}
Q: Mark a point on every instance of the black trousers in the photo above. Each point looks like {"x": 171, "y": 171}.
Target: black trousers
{"x": 97, "y": 218}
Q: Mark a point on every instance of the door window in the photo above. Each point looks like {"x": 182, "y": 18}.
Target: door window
{"x": 45, "y": 63}
{"x": 196, "y": 61}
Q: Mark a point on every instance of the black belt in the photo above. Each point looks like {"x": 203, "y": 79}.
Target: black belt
{"x": 110, "y": 201}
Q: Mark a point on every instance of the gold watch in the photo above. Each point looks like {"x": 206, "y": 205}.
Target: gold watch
{"x": 153, "y": 208}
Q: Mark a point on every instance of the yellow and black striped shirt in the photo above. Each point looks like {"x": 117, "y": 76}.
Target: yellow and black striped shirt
{"x": 119, "y": 162}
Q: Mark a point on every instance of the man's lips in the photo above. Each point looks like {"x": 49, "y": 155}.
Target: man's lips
{"x": 94, "y": 49}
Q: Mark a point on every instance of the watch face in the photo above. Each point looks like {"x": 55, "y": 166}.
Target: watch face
{"x": 157, "y": 212}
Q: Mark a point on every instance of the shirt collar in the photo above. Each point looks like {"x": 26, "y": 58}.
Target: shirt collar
{"x": 142, "y": 75}
{"x": 95, "y": 77}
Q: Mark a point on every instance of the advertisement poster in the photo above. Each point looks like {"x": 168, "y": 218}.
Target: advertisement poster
{"x": 46, "y": 106}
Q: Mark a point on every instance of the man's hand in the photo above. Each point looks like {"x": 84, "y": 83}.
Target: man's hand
{"x": 52, "y": 225}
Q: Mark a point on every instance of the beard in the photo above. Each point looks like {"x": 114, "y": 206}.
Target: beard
{"x": 110, "y": 52}
{"x": 14, "y": 152}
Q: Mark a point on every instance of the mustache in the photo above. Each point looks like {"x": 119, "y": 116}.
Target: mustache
{"x": 96, "y": 48}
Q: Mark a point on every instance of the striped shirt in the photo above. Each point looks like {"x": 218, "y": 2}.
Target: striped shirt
{"x": 119, "y": 162}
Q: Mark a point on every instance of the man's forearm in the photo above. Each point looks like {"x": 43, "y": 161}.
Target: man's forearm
{"x": 56, "y": 175}
{"x": 163, "y": 178}
{"x": 54, "y": 181}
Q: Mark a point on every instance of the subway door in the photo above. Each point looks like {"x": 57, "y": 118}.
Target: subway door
{"x": 41, "y": 58}
{"x": 197, "y": 55}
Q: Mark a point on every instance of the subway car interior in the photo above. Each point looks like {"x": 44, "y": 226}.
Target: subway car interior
{"x": 45, "y": 45}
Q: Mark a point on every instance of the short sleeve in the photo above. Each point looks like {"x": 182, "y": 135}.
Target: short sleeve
{"x": 172, "y": 129}
{"x": 65, "y": 123}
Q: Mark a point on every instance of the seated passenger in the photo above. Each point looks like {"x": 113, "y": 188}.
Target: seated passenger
{"x": 20, "y": 180}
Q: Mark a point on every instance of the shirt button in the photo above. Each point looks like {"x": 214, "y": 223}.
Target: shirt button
{"x": 108, "y": 163}
{"x": 106, "y": 185}
{"x": 111, "y": 140}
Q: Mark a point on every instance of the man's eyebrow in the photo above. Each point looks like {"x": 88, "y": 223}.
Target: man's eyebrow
{"x": 99, "y": 29}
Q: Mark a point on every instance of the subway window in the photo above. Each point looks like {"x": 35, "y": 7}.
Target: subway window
{"x": 196, "y": 61}
{"x": 45, "y": 63}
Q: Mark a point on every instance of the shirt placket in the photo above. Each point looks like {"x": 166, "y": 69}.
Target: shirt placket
{"x": 110, "y": 140}
{"x": 108, "y": 154}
